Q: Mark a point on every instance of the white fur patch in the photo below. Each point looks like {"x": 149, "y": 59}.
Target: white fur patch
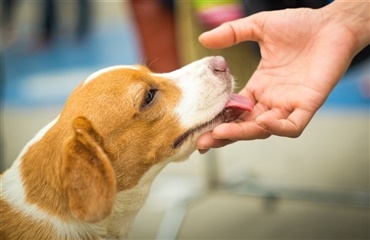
{"x": 204, "y": 94}
{"x": 104, "y": 70}
{"x": 129, "y": 202}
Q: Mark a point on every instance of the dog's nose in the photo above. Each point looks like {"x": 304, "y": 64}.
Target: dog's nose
{"x": 219, "y": 64}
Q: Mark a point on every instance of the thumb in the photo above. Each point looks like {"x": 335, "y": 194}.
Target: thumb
{"x": 233, "y": 32}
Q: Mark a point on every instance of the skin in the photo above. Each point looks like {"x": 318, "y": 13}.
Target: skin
{"x": 304, "y": 54}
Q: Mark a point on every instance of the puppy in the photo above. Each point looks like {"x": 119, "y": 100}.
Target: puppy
{"x": 87, "y": 173}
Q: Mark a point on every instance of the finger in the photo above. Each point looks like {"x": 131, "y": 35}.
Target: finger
{"x": 240, "y": 131}
{"x": 231, "y": 33}
{"x": 291, "y": 126}
{"x": 206, "y": 141}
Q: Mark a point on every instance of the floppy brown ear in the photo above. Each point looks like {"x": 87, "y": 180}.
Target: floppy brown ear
{"x": 90, "y": 180}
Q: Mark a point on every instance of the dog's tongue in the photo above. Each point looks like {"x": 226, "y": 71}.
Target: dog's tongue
{"x": 241, "y": 102}
{"x": 236, "y": 105}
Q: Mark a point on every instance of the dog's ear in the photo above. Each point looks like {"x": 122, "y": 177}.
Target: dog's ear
{"x": 90, "y": 181}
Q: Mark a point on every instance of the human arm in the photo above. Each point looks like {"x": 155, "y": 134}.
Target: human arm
{"x": 304, "y": 53}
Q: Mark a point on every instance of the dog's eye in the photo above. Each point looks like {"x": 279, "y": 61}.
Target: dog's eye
{"x": 149, "y": 97}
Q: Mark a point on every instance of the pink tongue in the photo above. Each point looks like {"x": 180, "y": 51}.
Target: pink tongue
{"x": 239, "y": 101}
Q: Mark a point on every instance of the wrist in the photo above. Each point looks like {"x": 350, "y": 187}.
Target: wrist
{"x": 354, "y": 16}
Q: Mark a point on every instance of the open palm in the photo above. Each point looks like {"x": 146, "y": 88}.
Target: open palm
{"x": 303, "y": 56}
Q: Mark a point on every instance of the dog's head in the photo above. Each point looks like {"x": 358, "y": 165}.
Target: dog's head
{"x": 124, "y": 120}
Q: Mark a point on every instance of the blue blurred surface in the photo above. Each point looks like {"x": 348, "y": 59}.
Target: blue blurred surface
{"x": 47, "y": 76}
{"x": 353, "y": 90}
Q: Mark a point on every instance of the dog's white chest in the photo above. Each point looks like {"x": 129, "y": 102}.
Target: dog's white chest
{"x": 128, "y": 204}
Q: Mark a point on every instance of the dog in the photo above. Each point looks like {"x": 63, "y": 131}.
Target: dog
{"x": 87, "y": 173}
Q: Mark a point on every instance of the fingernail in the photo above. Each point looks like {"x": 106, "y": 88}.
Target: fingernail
{"x": 203, "y": 151}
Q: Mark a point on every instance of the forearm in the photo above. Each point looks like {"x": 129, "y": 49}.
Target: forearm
{"x": 355, "y": 16}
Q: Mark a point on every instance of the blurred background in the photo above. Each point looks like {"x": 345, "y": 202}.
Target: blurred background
{"x": 312, "y": 187}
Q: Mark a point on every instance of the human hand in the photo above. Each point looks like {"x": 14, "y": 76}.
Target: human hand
{"x": 304, "y": 53}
